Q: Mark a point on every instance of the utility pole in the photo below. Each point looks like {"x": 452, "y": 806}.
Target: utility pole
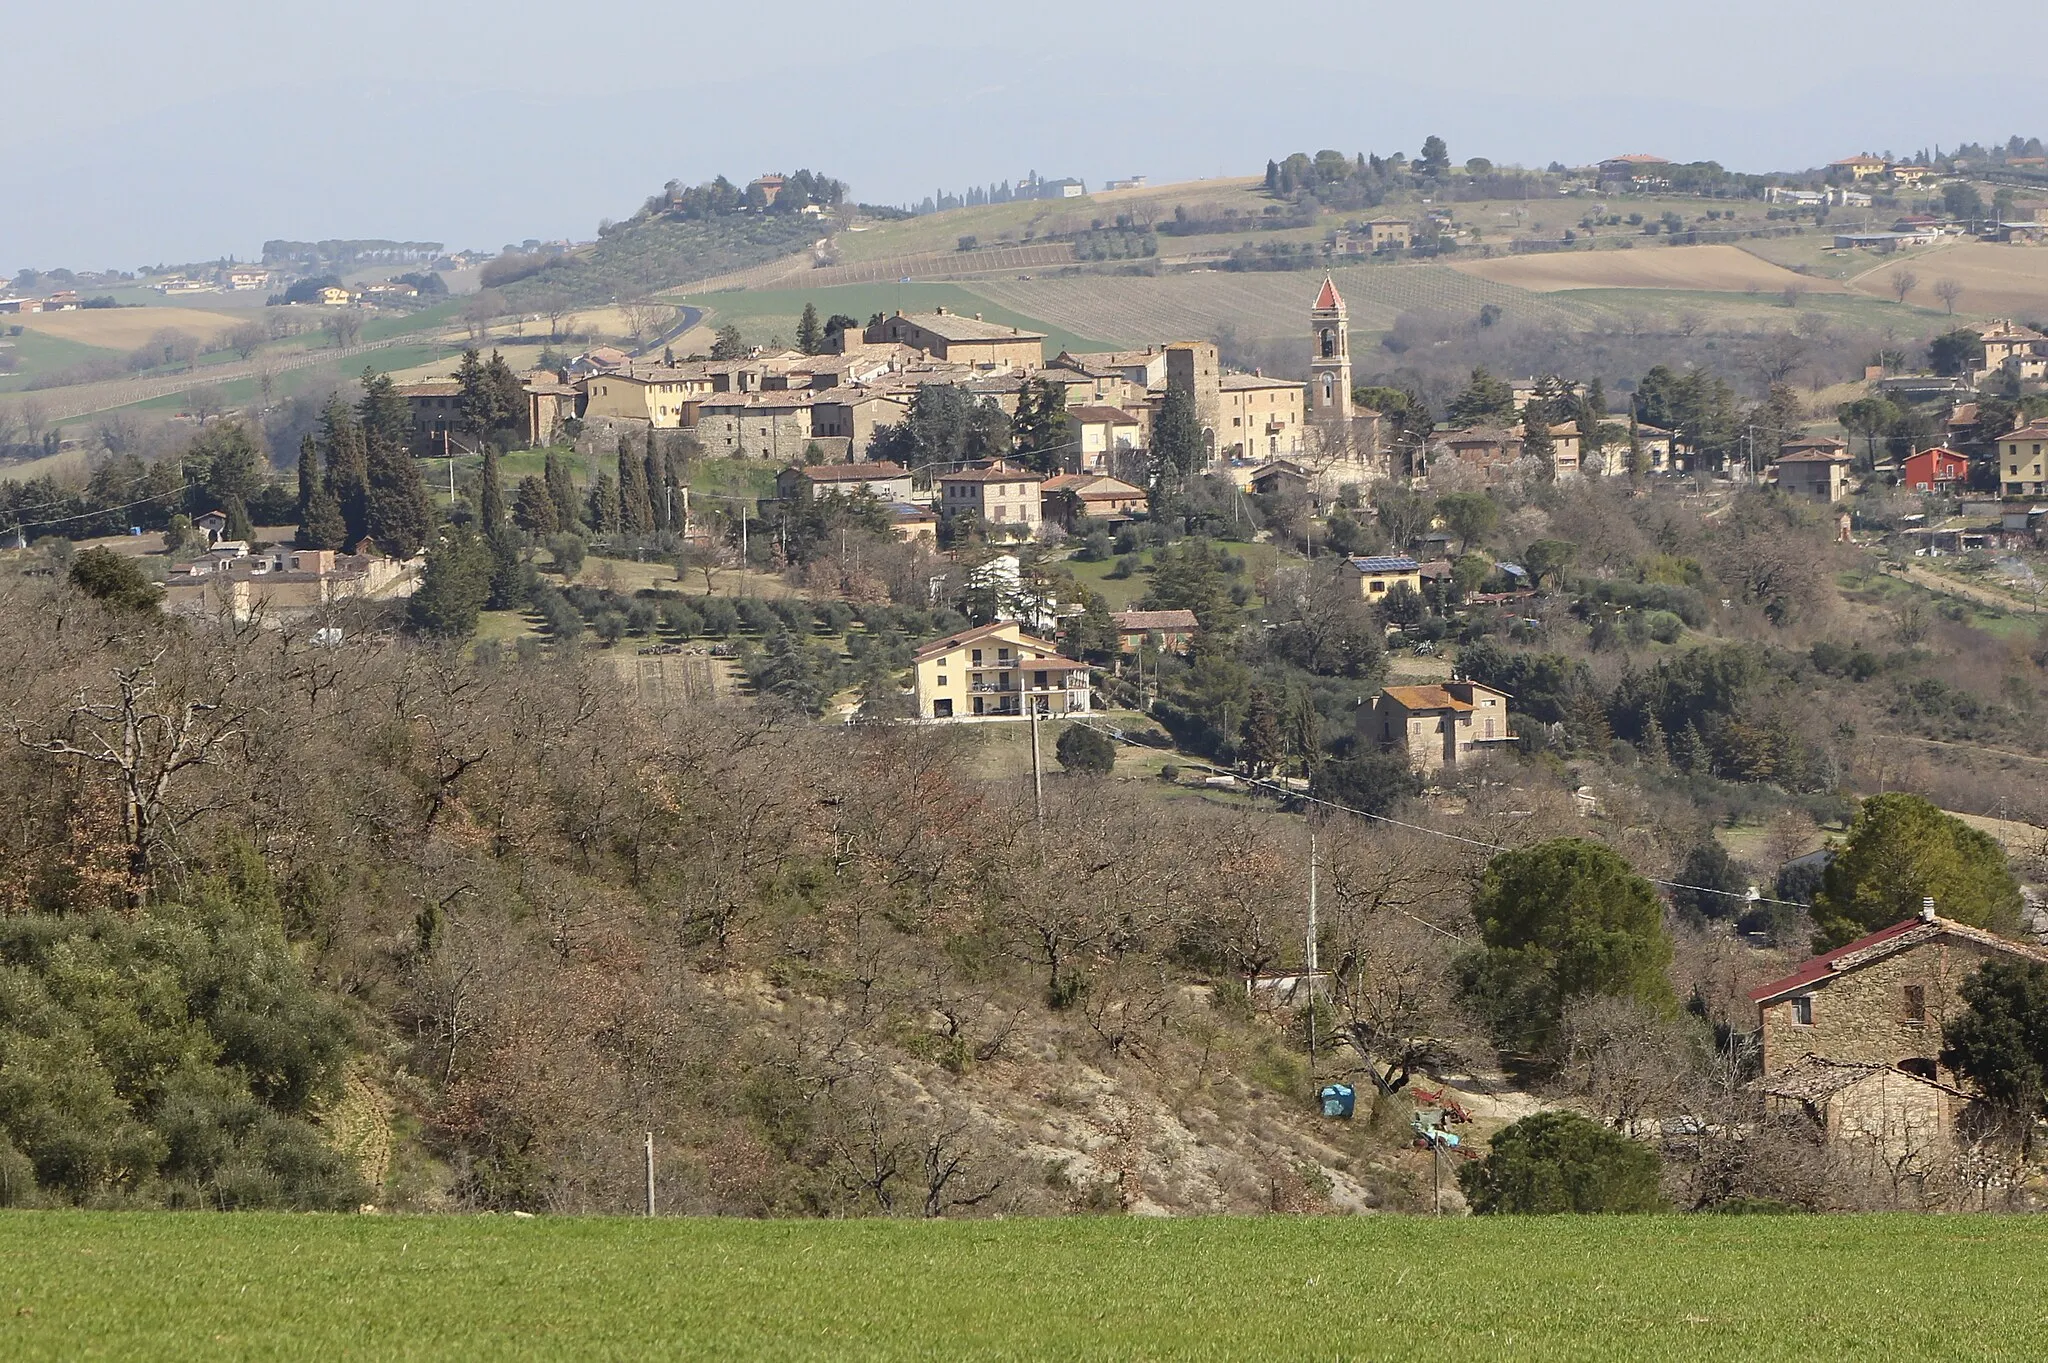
{"x": 1312, "y": 961}
{"x": 1037, "y": 764}
{"x": 650, "y": 1173}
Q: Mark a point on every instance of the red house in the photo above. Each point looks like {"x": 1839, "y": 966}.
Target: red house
{"x": 1935, "y": 470}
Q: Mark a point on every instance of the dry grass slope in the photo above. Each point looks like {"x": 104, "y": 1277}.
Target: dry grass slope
{"x": 126, "y": 328}
{"x": 1711, "y": 269}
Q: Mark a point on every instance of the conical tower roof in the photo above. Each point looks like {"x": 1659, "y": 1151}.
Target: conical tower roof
{"x": 1328, "y": 300}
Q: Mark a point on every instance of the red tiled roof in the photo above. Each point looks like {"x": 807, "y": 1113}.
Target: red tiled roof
{"x": 1328, "y": 298}
{"x": 951, "y": 642}
{"x": 1425, "y": 698}
{"x": 1151, "y": 620}
{"x": 853, "y": 473}
{"x": 1884, "y": 942}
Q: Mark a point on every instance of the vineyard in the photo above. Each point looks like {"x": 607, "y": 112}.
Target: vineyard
{"x": 1138, "y": 309}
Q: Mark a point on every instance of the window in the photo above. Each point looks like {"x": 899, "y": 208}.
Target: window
{"x": 942, "y": 679}
{"x": 1802, "y": 1011}
{"x": 1378, "y": 586}
{"x": 977, "y": 657}
{"x": 1916, "y": 1005}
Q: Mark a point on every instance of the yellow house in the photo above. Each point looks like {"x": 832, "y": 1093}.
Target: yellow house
{"x": 1378, "y": 573}
{"x": 2020, "y": 458}
{"x": 995, "y": 671}
{"x": 1004, "y": 497}
{"x": 1260, "y": 418}
{"x": 1391, "y": 234}
{"x": 666, "y": 398}
{"x": 1437, "y": 726}
{"x": 333, "y": 297}
{"x": 1863, "y": 167}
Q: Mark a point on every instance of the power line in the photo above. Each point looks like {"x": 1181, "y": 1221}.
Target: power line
{"x": 1288, "y": 792}
{"x": 88, "y": 515}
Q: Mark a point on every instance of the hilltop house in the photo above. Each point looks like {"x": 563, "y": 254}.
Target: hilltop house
{"x": 885, "y": 481}
{"x": 1073, "y": 498}
{"x": 997, "y": 671}
{"x": 1881, "y": 999}
{"x": 1437, "y": 727}
{"x": 1816, "y": 469}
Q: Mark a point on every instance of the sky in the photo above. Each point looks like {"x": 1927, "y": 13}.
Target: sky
{"x": 183, "y": 130}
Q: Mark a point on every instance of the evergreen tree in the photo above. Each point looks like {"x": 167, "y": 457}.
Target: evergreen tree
{"x": 453, "y": 586}
{"x": 397, "y": 515}
{"x": 491, "y": 493}
{"x": 1177, "y": 446}
{"x": 636, "y": 516}
{"x": 383, "y": 413}
{"x": 475, "y": 399}
{"x": 1264, "y": 743}
{"x": 603, "y": 517}
{"x": 1043, "y": 428}
{"x": 1272, "y": 177}
{"x": 309, "y": 476}
{"x": 810, "y": 338}
{"x": 347, "y": 472}
{"x": 533, "y": 509}
{"x": 237, "y": 511}
{"x": 660, "y": 503}
{"x": 561, "y": 491}
{"x": 508, "y": 396}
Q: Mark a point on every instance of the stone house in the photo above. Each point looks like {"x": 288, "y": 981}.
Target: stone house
{"x": 760, "y": 426}
{"x": 1074, "y": 498}
{"x": 1171, "y": 629}
{"x": 666, "y": 398}
{"x": 961, "y": 340}
{"x": 885, "y": 481}
{"x": 1881, "y": 999}
{"x": 1890, "y": 1112}
{"x": 1437, "y": 727}
{"x": 1003, "y": 496}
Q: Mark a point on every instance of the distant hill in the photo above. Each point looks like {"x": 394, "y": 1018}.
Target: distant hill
{"x": 683, "y": 235}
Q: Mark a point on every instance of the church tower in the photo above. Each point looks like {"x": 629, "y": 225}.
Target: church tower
{"x": 1329, "y": 371}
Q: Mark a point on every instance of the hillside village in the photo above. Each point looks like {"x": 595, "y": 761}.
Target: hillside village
{"x": 929, "y": 745}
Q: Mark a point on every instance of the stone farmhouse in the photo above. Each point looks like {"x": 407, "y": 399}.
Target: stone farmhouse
{"x": 1437, "y": 727}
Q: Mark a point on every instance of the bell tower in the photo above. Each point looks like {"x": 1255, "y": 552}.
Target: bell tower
{"x": 1329, "y": 370}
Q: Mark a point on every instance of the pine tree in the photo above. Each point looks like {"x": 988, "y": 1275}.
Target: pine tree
{"x": 508, "y": 396}
{"x": 453, "y": 587}
{"x": 636, "y": 517}
{"x": 809, "y": 338}
{"x": 397, "y": 515}
{"x": 1689, "y": 752}
{"x": 533, "y": 509}
{"x": 1655, "y": 751}
{"x": 475, "y": 398}
{"x": 491, "y": 496}
{"x": 561, "y": 491}
{"x": 1272, "y": 177}
{"x": 237, "y": 511}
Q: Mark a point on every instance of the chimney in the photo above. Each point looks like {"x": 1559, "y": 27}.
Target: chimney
{"x": 1927, "y": 909}
{"x": 977, "y": 317}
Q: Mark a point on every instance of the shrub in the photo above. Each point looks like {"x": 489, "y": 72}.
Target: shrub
{"x": 1085, "y": 751}
{"x": 1562, "y": 1162}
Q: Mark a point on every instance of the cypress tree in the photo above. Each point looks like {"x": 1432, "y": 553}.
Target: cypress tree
{"x": 604, "y": 505}
{"x": 534, "y": 510}
{"x": 320, "y": 522}
{"x": 383, "y": 413}
{"x": 809, "y": 338}
{"x": 491, "y": 496}
{"x": 658, "y": 500}
{"x": 347, "y": 473}
{"x": 561, "y": 491}
{"x": 396, "y": 512}
{"x": 309, "y": 475}
{"x": 636, "y": 517}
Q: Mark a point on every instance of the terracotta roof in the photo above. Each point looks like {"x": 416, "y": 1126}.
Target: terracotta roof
{"x": 999, "y": 474}
{"x": 1813, "y": 456}
{"x": 1329, "y": 298}
{"x": 1115, "y": 416}
{"x": 431, "y": 389}
{"x": 1237, "y": 383}
{"x": 852, "y": 473}
{"x": 1424, "y": 698}
{"x": 951, "y": 326}
{"x": 1882, "y": 943}
{"x": 966, "y": 637}
{"x": 1151, "y": 620}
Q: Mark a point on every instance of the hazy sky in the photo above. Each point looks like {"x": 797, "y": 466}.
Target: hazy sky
{"x": 187, "y": 129}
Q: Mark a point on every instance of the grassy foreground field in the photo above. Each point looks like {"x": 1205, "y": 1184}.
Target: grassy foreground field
{"x": 163, "y": 1286}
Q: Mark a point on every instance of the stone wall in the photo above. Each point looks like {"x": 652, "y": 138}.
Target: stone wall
{"x": 1861, "y": 1015}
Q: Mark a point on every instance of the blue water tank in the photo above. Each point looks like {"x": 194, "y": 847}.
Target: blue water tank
{"x": 1338, "y": 1100}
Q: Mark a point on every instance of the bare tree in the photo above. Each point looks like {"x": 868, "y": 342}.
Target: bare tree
{"x": 244, "y": 339}
{"x": 1793, "y": 294}
{"x": 477, "y": 314}
{"x": 35, "y": 419}
{"x": 1774, "y": 357}
{"x": 555, "y": 305}
{"x": 344, "y": 326}
{"x": 145, "y": 737}
{"x": 1688, "y": 323}
{"x": 1948, "y": 291}
{"x": 1903, "y": 282}
{"x": 646, "y": 317}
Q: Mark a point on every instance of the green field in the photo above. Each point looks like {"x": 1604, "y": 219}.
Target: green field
{"x": 762, "y": 314}
{"x": 37, "y": 353}
{"x": 165, "y": 1286}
